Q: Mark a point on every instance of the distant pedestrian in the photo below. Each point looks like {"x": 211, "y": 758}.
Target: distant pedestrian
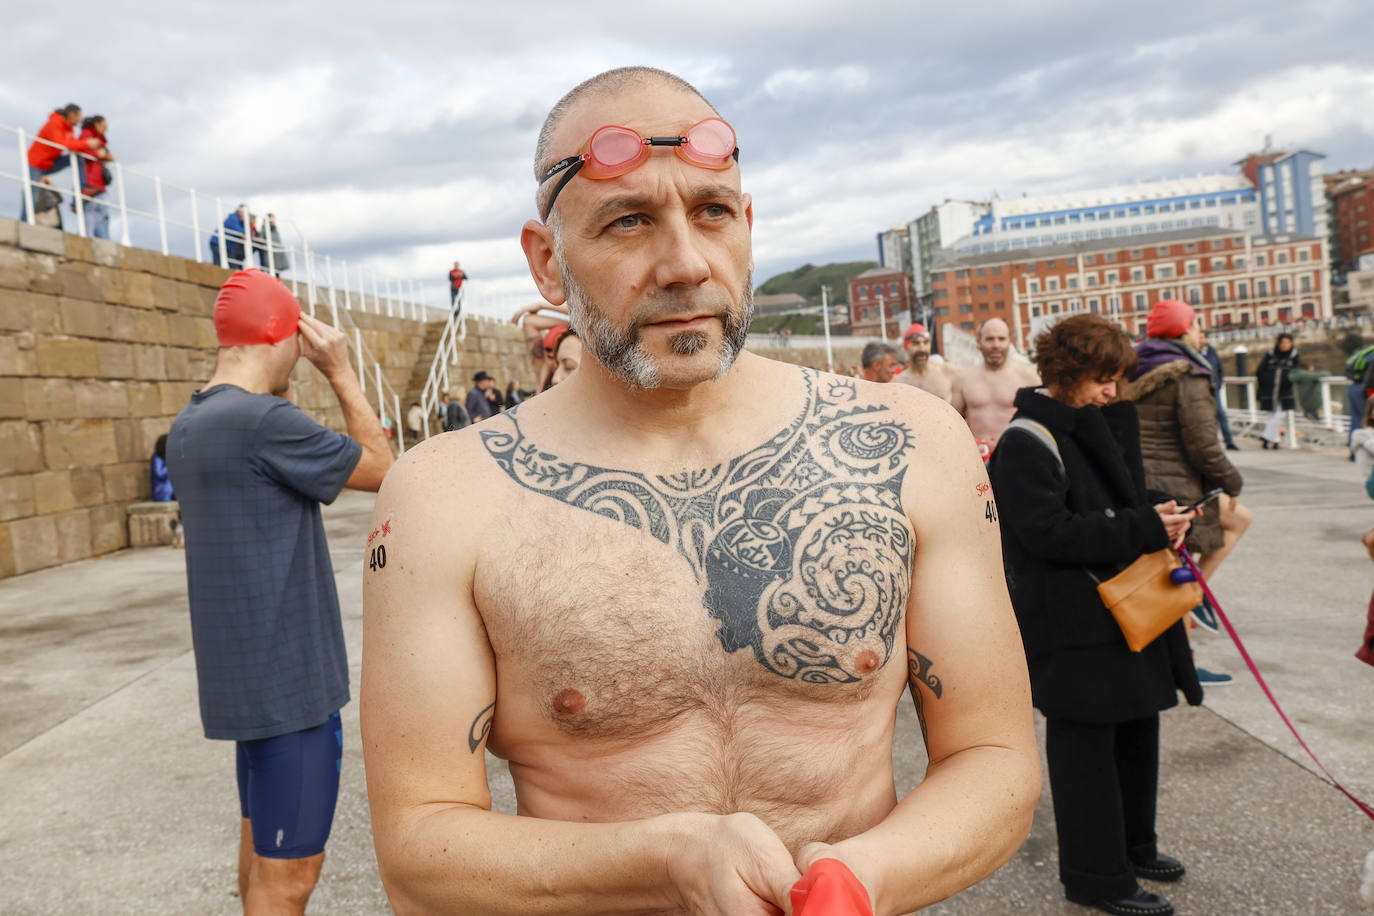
{"x": 879, "y": 361}
{"x": 1359, "y": 371}
{"x": 45, "y": 153}
{"x": 478, "y": 405}
{"x": 1362, "y": 440}
{"x": 162, "y": 487}
{"x": 1213, "y": 358}
{"x": 95, "y": 179}
{"x": 455, "y": 285}
{"x": 415, "y": 421}
{"x": 455, "y": 415}
{"x": 272, "y": 256}
{"x": 1276, "y": 386}
{"x": 236, "y": 236}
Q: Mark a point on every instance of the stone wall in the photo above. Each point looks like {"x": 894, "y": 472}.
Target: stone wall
{"x": 100, "y": 347}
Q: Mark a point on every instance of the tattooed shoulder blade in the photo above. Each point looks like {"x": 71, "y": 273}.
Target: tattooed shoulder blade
{"x": 800, "y": 546}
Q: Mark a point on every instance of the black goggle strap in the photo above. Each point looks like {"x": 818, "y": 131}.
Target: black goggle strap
{"x": 572, "y": 165}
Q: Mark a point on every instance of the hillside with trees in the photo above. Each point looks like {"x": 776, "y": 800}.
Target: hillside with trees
{"x": 808, "y": 279}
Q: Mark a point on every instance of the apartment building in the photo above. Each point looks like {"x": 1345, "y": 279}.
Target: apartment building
{"x": 1231, "y": 277}
{"x": 880, "y": 295}
{"x": 1351, "y": 194}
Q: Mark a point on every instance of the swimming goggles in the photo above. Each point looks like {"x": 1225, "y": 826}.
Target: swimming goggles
{"x": 613, "y": 151}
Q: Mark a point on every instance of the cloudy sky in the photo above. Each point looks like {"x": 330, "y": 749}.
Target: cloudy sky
{"x": 399, "y": 135}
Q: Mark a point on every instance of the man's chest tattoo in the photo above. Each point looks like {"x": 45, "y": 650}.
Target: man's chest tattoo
{"x": 801, "y": 545}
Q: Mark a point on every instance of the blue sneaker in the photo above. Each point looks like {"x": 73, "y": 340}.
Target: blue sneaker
{"x": 1212, "y": 679}
{"x": 1205, "y": 617}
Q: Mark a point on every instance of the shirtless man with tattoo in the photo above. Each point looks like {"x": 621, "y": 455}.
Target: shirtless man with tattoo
{"x": 935, "y": 377}
{"x": 695, "y": 681}
{"x": 984, "y": 393}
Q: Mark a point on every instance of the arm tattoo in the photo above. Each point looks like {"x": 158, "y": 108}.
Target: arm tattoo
{"x": 918, "y": 673}
{"x": 477, "y": 732}
{"x": 800, "y": 545}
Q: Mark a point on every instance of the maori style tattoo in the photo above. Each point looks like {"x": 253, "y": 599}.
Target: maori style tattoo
{"x": 801, "y": 545}
{"x": 477, "y": 732}
{"x": 918, "y": 673}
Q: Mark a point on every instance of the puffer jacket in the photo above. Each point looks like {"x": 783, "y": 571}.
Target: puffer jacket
{"x": 1176, "y": 400}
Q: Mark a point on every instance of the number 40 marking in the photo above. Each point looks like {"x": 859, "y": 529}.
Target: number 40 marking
{"x": 991, "y": 512}
{"x": 378, "y": 557}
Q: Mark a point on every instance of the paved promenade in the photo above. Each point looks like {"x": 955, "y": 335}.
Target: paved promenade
{"x": 112, "y": 802}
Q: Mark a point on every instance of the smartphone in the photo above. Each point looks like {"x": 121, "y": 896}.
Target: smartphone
{"x": 1208, "y": 497}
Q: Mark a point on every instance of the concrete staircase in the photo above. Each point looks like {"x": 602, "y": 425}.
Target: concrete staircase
{"x": 420, "y": 374}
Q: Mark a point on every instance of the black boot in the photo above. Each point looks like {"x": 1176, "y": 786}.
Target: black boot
{"x": 1141, "y": 903}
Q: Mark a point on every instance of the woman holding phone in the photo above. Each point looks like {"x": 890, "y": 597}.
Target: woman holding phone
{"x": 1074, "y": 509}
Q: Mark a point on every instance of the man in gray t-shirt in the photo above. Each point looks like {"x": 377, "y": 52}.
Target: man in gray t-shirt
{"x": 250, "y": 471}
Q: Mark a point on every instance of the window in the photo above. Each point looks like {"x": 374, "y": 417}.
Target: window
{"x": 983, "y": 307}
{"x": 1193, "y": 268}
{"x": 1109, "y": 256}
{"x": 982, "y": 290}
{"x": 1135, "y": 253}
{"x": 965, "y": 309}
{"x": 1139, "y": 300}
{"x": 1137, "y": 275}
{"x": 1162, "y": 251}
{"x": 960, "y": 274}
{"x": 1190, "y": 247}
{"x": 1281, "y": 258}
{"x": 1218, "y": 264}
{"x": 1305, "y": 284}
{"x": 997, "y": 288}
{"x": 1095, "y": 305}
{"x": 1166, "y": 293}
{"x": 935, "y": 277}
{"x": 1164, "y": 272}
{"x": 1284, "y": 286}
{"x": 1238, "y": 262}
{"x": 981, "y": 272}
{"x": 1090, "y": 259}
{"x": 1052, "y": 284}
{"x": 892, "y": 289}
{"x": 1260, "y": 260}
{"x": 1092, "y": 280}
{"x": 1304, "y": 254}
{"x": 1054, "y": 308}
{"x": 1262, "y": 287}
{"x": 996, "y": 270}
{"x": 1051, "y": 263}
{"x": 1219, "y": 293}
{"x": 1242, "y": 290}
{"x": 1073, "y": 283}
{"x": 1194, "y": 296}
{"x": 1035, "y": 311}
{"x": 1032, "y": 285}
{"x": 862, "y": 293}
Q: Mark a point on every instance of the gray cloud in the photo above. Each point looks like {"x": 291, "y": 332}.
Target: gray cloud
{"x": 401, "y": 135}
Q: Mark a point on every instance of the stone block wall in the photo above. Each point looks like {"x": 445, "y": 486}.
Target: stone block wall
{"x": 100, "y": 347}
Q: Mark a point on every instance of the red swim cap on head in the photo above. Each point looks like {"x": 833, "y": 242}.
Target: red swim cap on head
{"x": 554, "y": 335}
{"x": 254, "y": 308}
{"x": 1169, "y": 318}
{"x": 916, "y": 330}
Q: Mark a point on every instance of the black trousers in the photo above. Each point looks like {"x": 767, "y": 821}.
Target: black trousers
{"x": 1103, "y": 778}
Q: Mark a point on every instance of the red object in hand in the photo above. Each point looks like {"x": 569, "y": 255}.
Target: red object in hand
{"x": 829, "y": 888}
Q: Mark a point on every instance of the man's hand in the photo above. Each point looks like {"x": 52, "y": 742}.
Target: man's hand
{"x": 325, "y": 346}
{"x": 736, "y": 866}
{"x": 525, "y": 311}
{"x": 1175, "y": 522}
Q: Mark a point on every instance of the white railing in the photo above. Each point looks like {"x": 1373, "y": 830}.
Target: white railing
{"x": 1250, "y": 416}
{"x": 437, "y": 381}
{"x": 167, "y": 217}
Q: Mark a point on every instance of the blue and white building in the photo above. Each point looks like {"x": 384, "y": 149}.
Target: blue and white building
{"x": 1292, "y": 196}
{"x": 1222, "y": 201}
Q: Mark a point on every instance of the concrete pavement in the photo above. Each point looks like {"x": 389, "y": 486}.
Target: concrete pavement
{"x": 112, "y": 802}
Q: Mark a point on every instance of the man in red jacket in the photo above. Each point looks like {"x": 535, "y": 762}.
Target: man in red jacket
{"x": 93, "y": 184}
{"x": 46, "y": 156}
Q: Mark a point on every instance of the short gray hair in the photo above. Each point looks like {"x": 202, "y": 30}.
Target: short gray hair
{"x": 874, "y": 351}
{"x": 608, "y": 83}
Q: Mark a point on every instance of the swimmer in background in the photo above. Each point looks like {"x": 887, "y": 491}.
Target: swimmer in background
{"x": 984, "y": 393}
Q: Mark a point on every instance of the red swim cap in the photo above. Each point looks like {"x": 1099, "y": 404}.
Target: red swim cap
{"x": 554, "y": 336}
{"x": 254, "y": 308}
{"x": 1169, "y": 318}
{"x": 916, "y": 330}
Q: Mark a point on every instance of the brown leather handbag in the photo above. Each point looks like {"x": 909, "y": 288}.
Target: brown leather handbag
{"x": 1144, "y": 598}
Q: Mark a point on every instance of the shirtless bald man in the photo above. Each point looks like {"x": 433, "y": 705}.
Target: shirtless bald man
{"x": 984, "y": 393}
{"x": 684, "y": 614}
{"x": 920, "y": 372}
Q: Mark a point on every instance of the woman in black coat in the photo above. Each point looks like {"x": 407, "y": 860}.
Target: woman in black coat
{"x": 1275, "y": 386}
{"x": 1070, "y": 490}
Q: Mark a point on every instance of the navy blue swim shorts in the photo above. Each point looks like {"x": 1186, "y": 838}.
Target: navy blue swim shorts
{"x": 288, "y": 786}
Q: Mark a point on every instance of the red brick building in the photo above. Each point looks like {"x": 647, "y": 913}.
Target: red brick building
{"x": 1352, "y": 204}
{"x": 880, "y": 291}
{"x": 1231, "y": 277}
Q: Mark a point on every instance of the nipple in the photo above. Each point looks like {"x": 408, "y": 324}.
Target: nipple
{"x": 866, "y": 662}
{"x": 568, "y": 702}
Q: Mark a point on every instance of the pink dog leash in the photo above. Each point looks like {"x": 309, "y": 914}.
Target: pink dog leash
{"x": 1235, "y": 638}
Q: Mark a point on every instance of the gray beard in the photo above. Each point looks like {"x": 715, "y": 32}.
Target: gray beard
{"x": 622, "y": 352}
